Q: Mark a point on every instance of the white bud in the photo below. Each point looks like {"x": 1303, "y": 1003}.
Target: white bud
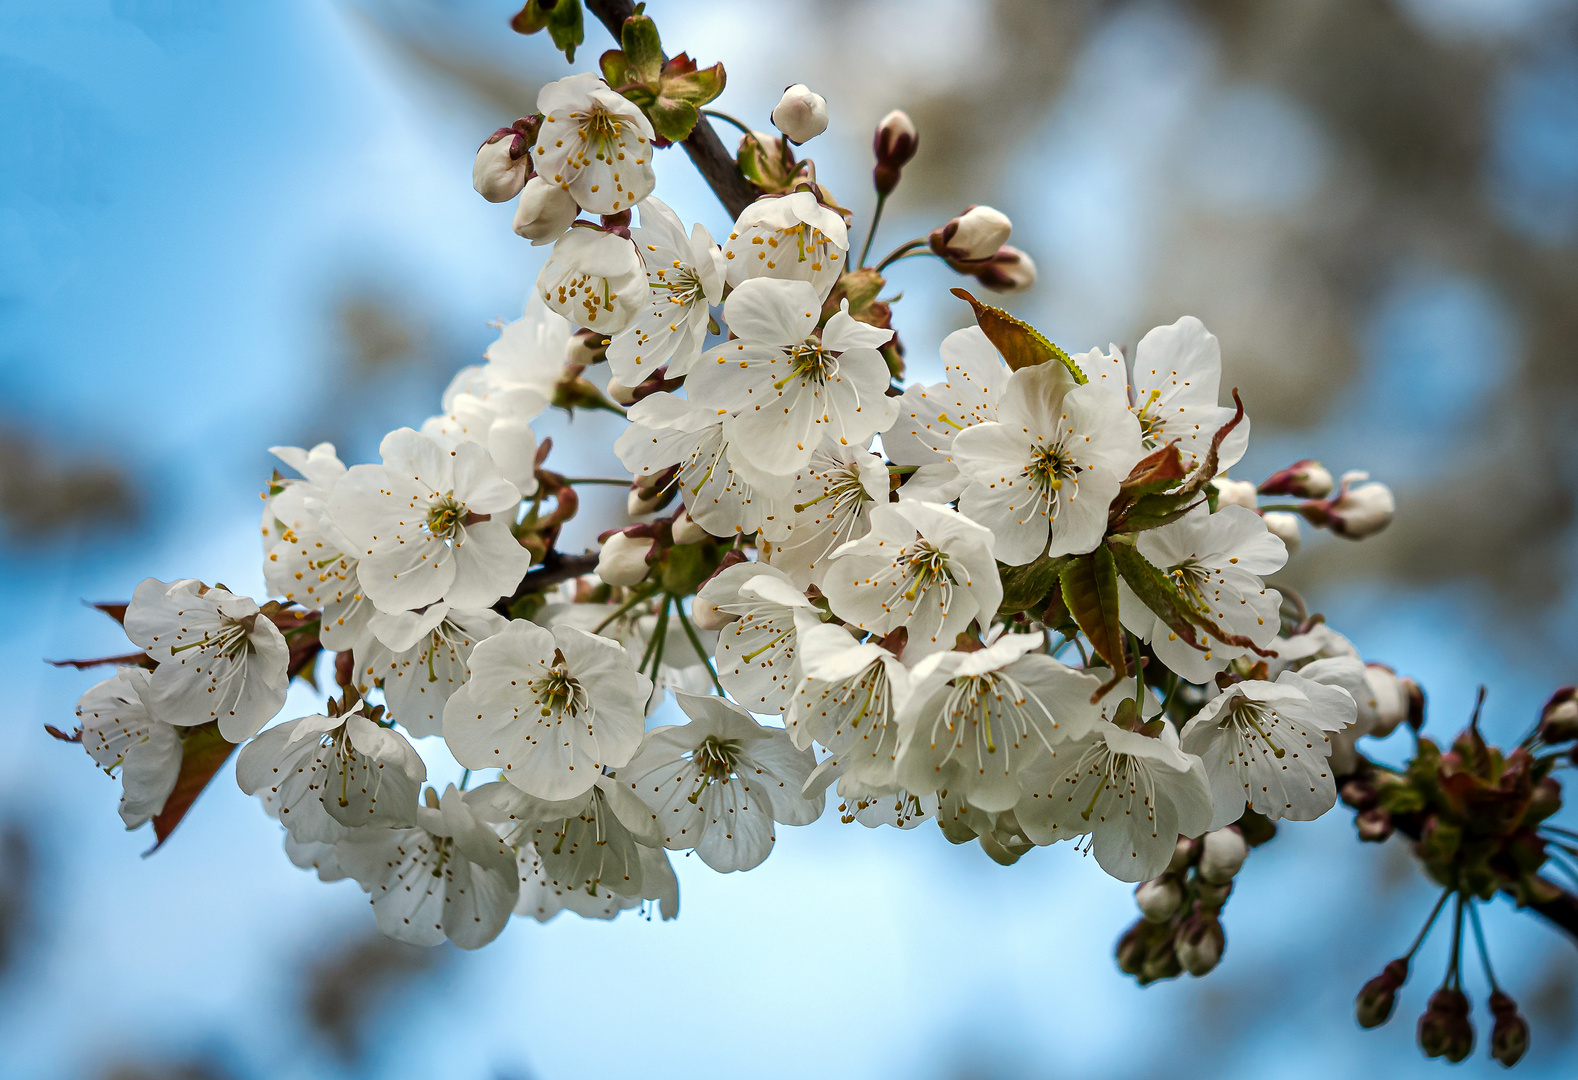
{"x": 1235, "y": 493}
{"x": 687, "y": 531}
{"x": 623, "y": 559}
{"x": 1011, "y": 270}
{"x": 1221, "y": 854}
{"x": 800, "y": 114}
{"x": 619, "y": 392}
{"x": 705, "y": 616}
{"x": 499, "y": 172}
{"x": 636, "y": 504}
{"x": 1183, "y": 855}
{"x": 1390, "y": 697}
{"x": 977, "y": 234}
{"x": 1285, "y": 527}
{"x": 1363, "y": 508}
{"x": 1158, "y": 900}
{"x": 544, "y": 212}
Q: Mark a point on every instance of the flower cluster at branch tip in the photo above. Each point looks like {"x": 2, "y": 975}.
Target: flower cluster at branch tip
{"x": 1025, "y": 601}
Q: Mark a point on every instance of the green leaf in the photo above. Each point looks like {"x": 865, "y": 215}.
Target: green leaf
{"x": 770, "y": 164}
{"x": 203, "y": 751}
{"x": 681, "y": 93}
{"x": 1155, "y": 590}
{"x": 1026, "y": 588}
{"x": 1090, "y": 591}
{"x": 562, "y": 21}
{"x": 1021, "y": 344}
{"x": 615, "y": 68}
{"x": 671, "y": 120}
{"x": 643, "y": 49}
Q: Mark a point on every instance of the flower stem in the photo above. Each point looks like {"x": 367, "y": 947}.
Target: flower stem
{"x": 1425, "y": 931}
{"x": 610, "y": 480}
{"x": 628, "y": 604}
{"x": 727, "y": 119}
{"x": 695, "y": 642}
{"x": 1479, "y": 938}
{"x": 871, "y": 233}
{"x": 901, "y": 251}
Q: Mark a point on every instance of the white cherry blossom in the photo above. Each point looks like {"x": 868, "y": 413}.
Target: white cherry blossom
{"x": 679, "y": 666}
{"x": 219, "y": 657}
{"x": 787, "y": 388}
{"x": 542, "y": 899}
{"x": 684, "y": 277}
{"x": 931, "y": 415}
{"x": 718, "y": 783}
{"x": 849, "y": 702}
{"x": 308, "y": 563}
{"x": 1217, "y": 562}
{"x": 789, "y": 237}
{"x": 430, "y": 524}
{"x": 1044, "y": 473}
{"x": 324, "y": 776}
{"x": 828, "y": 505}
{"x": 975, "y": 719}
{"x": 419, "y": 660}
{"x": 118, "y": 734}
{"x": 722, "y": 493}
{"x": 449, "y": 877}
{"x": 552, "y": 708}
{"x": 923, "y": 566}
{"x": 594, "y": 143}
{"x": 1266, "y": 746}
{"x": 756, "y": 650}
{"x": 1134, "y": 794}
{"x": 595, "y": 279}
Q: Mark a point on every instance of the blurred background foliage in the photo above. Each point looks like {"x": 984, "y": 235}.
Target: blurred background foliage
{"x": 224, "y": 228}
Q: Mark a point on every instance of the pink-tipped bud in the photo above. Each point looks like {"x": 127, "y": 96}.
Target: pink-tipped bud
{"x": 619, "y": 392}
{"x": 894, "y": 145}
{"x": 642, "y": 501}
{"x": 1362, "y": 507}
{"x": 1378, "y": 997}
{"x": 504, "y": 162}
{"x": 1235, "y": 493}
{"x": 1159, "y": 899}
{"x": 1010, "y": 270}
{"x": 1200, "y": 944}
{"x": 974, "y": 236}
{"x": 1391, "y": 698}
{"x": 1184, "y": 853}
{"x": 1285, "y": 527}
{"x": 1222, "y": 853}
{"x": 623, "y": 559}
{"x": 586, "y": 347}
{"x": 1559, "y": 718}
{"x": 707, "y": 616}
{"x": 1307, "y": 479}
{"x": 800, "y": 114}
{"x": 544, "y": 212}
{"x": 687, "y": 531}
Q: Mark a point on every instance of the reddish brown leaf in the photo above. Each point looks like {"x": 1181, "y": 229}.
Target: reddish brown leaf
{"x": 138, "y": 658}
{"x": 1021, "y": 344}
{"x": 203, "y": 752}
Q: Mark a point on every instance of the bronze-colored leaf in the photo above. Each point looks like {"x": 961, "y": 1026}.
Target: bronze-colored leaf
{"x": 1021, "y": 344}
{"x": 203, "y": 751}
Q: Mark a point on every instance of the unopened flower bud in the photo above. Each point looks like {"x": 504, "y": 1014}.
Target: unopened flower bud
{"x": 1391, "y": 698}
{"x": 1285, "y": 527}
{"x": 1444, "y": 1029}
{"x": 1362, "y": 508}
{"x": 623, "y": 559}
{"x": 1159, "y": 898}
{"x": 1307, "y": 479}
{"x": 1161, "y": 961}
{"x": 973, "y": 236}
{"x": 1235, "y": 493}
{"x": 687, "y": 531}
{"x": 894, "y": 145}
{"x": 1183, "y": 854}
{"x": 619, "y": 392}
{"x": 1416, "y": 703}
{"x": 544, "y": 212}
{"x": 1509, "y": 1038}
{"x": 503, "y": 164}
{"x": 1200, "y": 944}
{"x": 1010, "y": 270}
{"x": 586, "y": 347}
{"x": 1378, "y": 997}
{"x": 1374, "y": 825}
{"x": 1221, "y": 854}
{"x": 705, "y": 616}
{"x": 800, "y": 114}
{"x": 643, "y": 500}
{"x": 1132, "y": 947}
{"x": 1559, "y": 718}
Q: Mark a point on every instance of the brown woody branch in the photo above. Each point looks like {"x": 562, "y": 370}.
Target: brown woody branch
{"x": 705, "y": 149}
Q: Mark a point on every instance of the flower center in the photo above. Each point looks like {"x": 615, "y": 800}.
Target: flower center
{"x": 593, "y": 294}
{"x": 444, "y": 517}
{"x": 1256, "y": 721}
{"x": 557, "y": 691}
{"x": 927, "y": 566}
{"x": 1050, "y": 466}
{"x": 809, "y": 360}
{"x": 715, "y": 760}
{"x": 682, "y": 284}
{"x": 1151, "y": 425}
{"x": 600, "y": 132}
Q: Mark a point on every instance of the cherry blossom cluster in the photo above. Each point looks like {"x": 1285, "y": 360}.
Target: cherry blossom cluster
{"x": 1026, "y": 601}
